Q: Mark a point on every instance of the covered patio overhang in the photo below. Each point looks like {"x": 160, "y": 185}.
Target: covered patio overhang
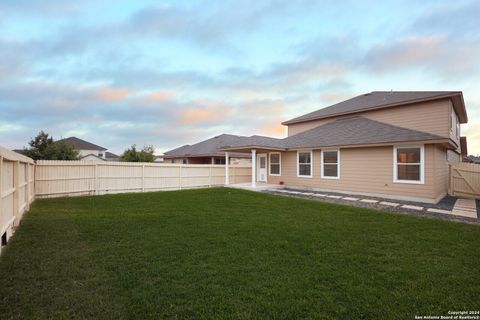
{"x": 253, "y": 150}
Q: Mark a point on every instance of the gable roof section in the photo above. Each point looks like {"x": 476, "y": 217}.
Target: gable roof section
{"x": 384, "y": 99}
{"x": 353, "y": 131}
{"x": 209, "y": 147}
{"x": 80, "y": 144}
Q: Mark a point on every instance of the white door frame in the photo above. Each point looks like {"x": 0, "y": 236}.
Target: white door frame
{"x": 260, "y": 155}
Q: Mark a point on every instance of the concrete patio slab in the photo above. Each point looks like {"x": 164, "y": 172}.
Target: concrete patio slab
{"x": 369, "y": 201}
{"x": 390, "y": 204}
{"x": 439, "y": 211}
{"x": 407, "y": 206}
{"x": 260, "y": 186}
{"x": 465, "y": 208}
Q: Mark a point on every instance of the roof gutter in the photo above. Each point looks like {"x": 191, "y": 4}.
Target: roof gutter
{"x": 433, "y": 141}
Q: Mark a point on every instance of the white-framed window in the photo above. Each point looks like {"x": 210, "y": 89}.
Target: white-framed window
{"x": 275, "y": 164}
{"x": 330, "y": 164}
{"x": 304, "y": 164}
{"x": 409, "y": 164}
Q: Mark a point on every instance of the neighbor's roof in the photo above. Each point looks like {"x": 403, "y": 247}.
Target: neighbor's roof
{"x": 91, "y": 155}
{"x": 80, "y": 144}
{"x": 353, "y": 131}
{"x": 384, "y": 99}
{"x": 110, "y": 155}
{"x": 209, "y": 147}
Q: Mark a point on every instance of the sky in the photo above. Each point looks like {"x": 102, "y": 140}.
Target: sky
{"x": 169, "y": 73}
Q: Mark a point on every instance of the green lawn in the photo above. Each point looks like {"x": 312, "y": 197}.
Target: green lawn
{"x": 231, "y": 254}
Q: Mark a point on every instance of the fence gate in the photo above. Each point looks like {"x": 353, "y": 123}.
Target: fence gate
{"x": 465, "y": 180}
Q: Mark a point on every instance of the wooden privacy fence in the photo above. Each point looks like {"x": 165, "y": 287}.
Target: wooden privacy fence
{"x": 16, "y": 190}
{"x": 465, "y": 180}
{"x": 74, "y": 178}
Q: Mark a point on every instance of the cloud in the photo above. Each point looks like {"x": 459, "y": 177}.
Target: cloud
{"x": 335, "y": 97}
{"x": 50, "y": 7}
{"x": 456, "y": 19}
{"x": 275, "y": 130}
{"x": 137, "y": 74}
{"x": 442, "y": 55}
{"x": 112, "y": 94}
{"x": 160, "y": 96}
{"x": 205, "y": 113}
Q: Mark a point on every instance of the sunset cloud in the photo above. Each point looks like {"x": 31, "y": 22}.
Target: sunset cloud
{"x": 160, "y": 96}
{"x": 208, "y": 112}
{"x": 444, "y": 55}
{"x": 112, "y": 94}
{"x": 170, "y": 74}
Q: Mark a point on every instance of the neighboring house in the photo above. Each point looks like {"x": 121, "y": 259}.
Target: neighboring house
{"x": 387, "y": 144}
{"x": 208, "y": 152}
{"x": 108, "y": 157}
{"x": 90, "y": 151}
{"x": 158, "y": 159}
{"x": 473, "y": 159}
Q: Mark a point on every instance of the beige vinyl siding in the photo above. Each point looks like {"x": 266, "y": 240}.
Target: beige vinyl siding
{"x": 368, "y": 171}
{"x": 432, "y": 117}
{"x": 441, "y": 171}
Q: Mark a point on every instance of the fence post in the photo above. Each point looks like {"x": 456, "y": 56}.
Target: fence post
{"x": 16, "y": 180}
{"x": 210, "y": 177}
{"x": 143, "y": 177}
{"x": 34, "y": 173}
{"x": 180, "y": 176}
{"x": 95, "y": 179}
{"x": 1, "y": 187}
{"x": 27, "y": 186}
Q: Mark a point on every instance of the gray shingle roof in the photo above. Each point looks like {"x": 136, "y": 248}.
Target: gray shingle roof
{"x": 209, "y": 147}
{"x": 260, "y": 141}
{"x": 355, "y": 131}
{"x": 80, "y": 144}
{"x": 343, "y": 132}
{"x": 110, "y": 155}
{"x": 374, "y": 100}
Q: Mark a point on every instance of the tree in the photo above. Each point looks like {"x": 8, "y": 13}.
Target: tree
{"x": 43, "y": 147}
{"x": 134, "y": 155}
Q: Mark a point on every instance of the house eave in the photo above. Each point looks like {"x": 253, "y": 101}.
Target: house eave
{"x": 446, "y": 142}
{"x": 198, "y": 156}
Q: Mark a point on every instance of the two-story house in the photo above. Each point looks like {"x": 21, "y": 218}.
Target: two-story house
{"x": 388, "y": 144}
{"x": 90, "y": 151}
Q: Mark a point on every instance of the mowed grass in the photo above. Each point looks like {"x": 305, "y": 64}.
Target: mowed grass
{"x": 231, "y": 254}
